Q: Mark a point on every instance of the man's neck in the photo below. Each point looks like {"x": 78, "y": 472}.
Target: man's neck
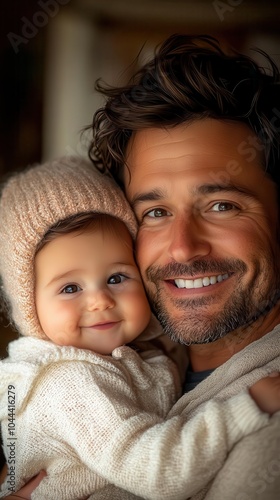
{"x": 210, "y": 356}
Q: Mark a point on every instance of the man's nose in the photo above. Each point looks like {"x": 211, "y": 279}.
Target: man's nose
{"x": 189, "y": 239}
{"x": 100, "y": 300}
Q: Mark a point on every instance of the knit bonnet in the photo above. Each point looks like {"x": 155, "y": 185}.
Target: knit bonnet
{"x": 31, "y": 203}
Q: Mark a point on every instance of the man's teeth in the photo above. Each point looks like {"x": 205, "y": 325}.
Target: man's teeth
{"x": 201, "y": 282}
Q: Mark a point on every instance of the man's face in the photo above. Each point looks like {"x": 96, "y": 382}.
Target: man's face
{"x": 207, "y": 245}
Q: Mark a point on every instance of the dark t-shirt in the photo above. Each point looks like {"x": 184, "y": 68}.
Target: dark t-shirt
{"x": 194, "y": 378}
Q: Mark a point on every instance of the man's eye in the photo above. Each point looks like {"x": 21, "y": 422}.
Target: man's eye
{"x": 157, "y": 212}
{"x": 223, "y": 206}
{"x": 115, "y": 279}
{"x": 71, "y": 289}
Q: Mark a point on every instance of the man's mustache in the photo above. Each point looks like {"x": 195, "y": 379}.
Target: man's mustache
{"x": 201, "y": 266}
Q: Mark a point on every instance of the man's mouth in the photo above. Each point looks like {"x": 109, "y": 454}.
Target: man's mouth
{"x": 201, "y": 282}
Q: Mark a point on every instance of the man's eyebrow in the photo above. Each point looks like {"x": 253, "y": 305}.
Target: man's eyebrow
{"x": 153, "y": 195}
{"x": 226, "y": 188}
{"x": 204, "y": 189}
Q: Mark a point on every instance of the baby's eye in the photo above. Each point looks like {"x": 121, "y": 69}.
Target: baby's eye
{"x": 157, "y": 212}
{"x": 71, "y": 289}
{"x": 115, "y": 279}
{"x": 223, "y": 206}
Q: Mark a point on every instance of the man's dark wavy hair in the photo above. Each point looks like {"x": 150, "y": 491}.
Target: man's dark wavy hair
{"x": 189, "y": 78}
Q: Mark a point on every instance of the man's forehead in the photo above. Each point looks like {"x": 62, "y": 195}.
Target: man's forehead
{"x": 205, "y": 143}
{"x": 199, "y": 137}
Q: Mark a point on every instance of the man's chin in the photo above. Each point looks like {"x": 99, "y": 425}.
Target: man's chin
{"x": 198, "y": 328}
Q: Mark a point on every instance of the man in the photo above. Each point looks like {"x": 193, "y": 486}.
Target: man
{"x": 194, "y": 140}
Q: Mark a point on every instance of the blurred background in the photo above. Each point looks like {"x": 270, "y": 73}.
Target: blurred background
{"x": 52, "y": 52}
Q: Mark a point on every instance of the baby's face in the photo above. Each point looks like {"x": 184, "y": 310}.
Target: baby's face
{"x": 88, "y": 292}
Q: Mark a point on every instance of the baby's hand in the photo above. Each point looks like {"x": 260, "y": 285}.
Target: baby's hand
{"x": 25, "y": 492}
{"x": 266, "y": 393}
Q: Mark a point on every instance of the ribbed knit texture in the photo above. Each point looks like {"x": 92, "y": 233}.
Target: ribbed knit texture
{"x": 90, "y": 420}
{"x": 32, "y": 202}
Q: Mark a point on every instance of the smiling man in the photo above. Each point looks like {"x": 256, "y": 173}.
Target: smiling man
{"x": 194, "y": 141}
{"x": 208, "y": 252}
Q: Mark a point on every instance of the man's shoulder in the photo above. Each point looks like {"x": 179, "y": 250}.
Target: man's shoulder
{"x": 252, "y": 468}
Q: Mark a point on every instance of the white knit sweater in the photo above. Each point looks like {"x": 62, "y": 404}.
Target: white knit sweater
{"x": 252, "y": 469}
{"x": 90, "y": 420}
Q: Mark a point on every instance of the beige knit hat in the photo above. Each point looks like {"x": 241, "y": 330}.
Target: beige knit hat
{"x": 33, "y": 201}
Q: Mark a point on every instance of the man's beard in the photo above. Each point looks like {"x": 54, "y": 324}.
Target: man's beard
{"x": 197, "y": 324}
